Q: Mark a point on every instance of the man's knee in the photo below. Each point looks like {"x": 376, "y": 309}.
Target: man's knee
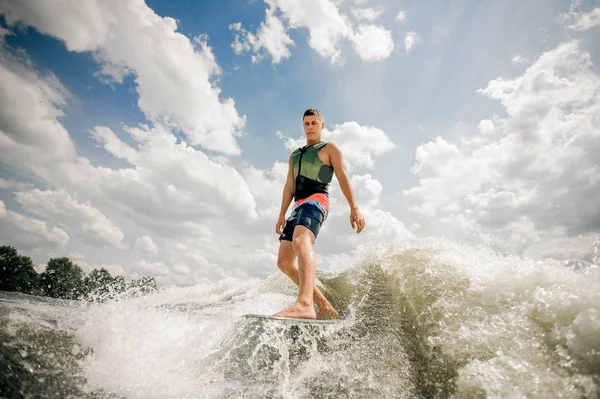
{"x": 300, "y": 242}
{"x": 286, "y": 256}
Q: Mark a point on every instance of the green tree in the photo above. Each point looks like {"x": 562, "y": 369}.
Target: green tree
{"x": 17, "y": 272}
{"x": 144, "y": 285}
{"x": 62, "y": 279}
{"x": 100, "y": 284}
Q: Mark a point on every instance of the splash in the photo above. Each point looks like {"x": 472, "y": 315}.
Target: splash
{"x": 427, "y": 318}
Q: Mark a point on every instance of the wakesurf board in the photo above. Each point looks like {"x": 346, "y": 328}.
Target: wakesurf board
{"x": 290, "y": 319}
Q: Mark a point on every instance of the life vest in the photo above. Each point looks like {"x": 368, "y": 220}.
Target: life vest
{"x": 311, "y": 175}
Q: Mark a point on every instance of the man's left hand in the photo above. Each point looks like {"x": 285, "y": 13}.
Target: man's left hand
{"x": 356, "y": 220}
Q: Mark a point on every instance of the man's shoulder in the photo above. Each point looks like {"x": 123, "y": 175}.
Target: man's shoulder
{"x": 331, "y": 147}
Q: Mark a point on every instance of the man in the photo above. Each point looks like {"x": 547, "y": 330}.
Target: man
{"x": 311, "y": 169}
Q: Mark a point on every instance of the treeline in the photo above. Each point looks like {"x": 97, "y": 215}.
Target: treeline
{"x": 64, "y": 279}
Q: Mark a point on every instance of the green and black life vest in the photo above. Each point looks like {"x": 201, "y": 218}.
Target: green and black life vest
{"x": 311, "y": 175}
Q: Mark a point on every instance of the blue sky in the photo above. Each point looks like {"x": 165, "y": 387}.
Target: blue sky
{"x": 162, "y": 129}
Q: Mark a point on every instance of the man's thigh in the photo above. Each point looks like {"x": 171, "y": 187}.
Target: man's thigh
{"x": 303, "y": 234}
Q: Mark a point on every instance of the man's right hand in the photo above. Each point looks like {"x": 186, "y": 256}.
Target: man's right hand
{"x": 280, "y": 225}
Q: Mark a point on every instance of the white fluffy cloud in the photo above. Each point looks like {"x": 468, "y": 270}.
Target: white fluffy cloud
{"x": 367, "y": 190}
{"x": 373, "y": 43}
{"x": 531, "y": 176}
{"x": 145, "y": 244}
{"x": 82, "y": 220}
{"x": 584, "y": 21}
{"x": 327, "y": 26}
{"x": 519, "y": 59}
{"x": 30, "y": 105}
{"x": 175, "y": 183}
{"x": 359, "y": 144}
{"x": 152, "y": 268}
{"x": 384, "y": 227}
{"x": 172, "y": 74}
{"x": 401, "y": 17}
{"x": 170, "y": 188}
{"x": 80, "y": 260}
{"x": 369, "y": 14}
{"x": 271, "y": 36}
{"x": 38, "y": 229}
{"x": 10, "y": 184}
{"x": 381, "y": 226}
{"x": 267, "y": 186}
{"x": 411, "y": 39}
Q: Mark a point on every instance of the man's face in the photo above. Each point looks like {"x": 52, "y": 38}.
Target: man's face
{"x": 312, "y": 126}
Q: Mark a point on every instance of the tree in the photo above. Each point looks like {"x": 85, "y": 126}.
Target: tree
{"x": 144, "y": 285}
{"x": 100, "y": 283}
{"x": 62, "y": 279}
{"x": 17, "y": 272}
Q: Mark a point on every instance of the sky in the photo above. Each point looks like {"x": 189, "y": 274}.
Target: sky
{"x": 152, "y": 138}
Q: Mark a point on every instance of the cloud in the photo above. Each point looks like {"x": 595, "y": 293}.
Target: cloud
{"x": 327, "y": 26}
{"x": 10, "y": 184}
{"x": 369, "y": 14}
{"x": 30, "y": 106}
{"x": 79, "y": 259}
{"x": 82, "y": 220}
{"x": 179, "y": 186}
{"x": 401, "y": 17}
{"x": 264, "y": 184}
{"x": 367, "y": 190}
{"x": 4, "y": 32}
{"x": 271, "y": 36}
{"x": 381, "y": 226}
{"x": 519, "y": 59}
{"x": 528, "y": 177}
{"x": 172, "y": 73}
{"x": 181, "y": 269}
{"x": 373, "y": 43}
{"x": 584, "y": 21}
{"x": 145, "y": 244}
{"x": 168, "y": 187}
{"x": 53, "y": 236}
{"x": 152, "y": 269}
{"x": 412, "y": 38}
{"x": 359, "y": 144}
{"x": 106, "y": 137}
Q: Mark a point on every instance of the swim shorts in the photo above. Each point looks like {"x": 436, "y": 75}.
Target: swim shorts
{"x": 310, "y": 214}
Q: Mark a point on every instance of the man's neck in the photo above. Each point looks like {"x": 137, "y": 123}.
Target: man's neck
{"x": 312, "y": 142}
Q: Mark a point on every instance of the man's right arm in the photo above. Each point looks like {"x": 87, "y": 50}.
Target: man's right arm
{"x": 286, "y": 198}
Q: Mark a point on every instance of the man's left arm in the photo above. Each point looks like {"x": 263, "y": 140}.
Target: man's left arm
{"x": 339, "y": 167}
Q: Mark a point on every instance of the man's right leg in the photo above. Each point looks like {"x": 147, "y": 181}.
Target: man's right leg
{"x": 287, "y": 263}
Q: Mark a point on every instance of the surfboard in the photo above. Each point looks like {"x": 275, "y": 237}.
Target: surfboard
{"x": 290, "y": 319}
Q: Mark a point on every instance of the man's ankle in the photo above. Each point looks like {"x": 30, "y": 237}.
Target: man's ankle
{"x": 305, "y": 302}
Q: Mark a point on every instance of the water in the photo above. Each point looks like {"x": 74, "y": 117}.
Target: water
{"x": 426, "y": 319}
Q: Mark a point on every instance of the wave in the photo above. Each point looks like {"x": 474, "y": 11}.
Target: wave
{"x": 427, "y": 318}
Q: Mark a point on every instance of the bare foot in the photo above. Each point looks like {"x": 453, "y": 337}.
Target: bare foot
{"x": 327, "y": 312}
{"x": 298, "y": 311}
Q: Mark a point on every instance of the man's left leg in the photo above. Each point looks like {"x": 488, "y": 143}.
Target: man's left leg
{"x": 286, "y": 262}
{"x": 307, "y": 274}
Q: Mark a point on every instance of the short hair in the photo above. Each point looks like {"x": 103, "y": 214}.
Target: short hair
{"x": 313, "y": 111}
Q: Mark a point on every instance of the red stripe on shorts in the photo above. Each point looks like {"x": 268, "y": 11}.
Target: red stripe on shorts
{"x": 321, "y": 198}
